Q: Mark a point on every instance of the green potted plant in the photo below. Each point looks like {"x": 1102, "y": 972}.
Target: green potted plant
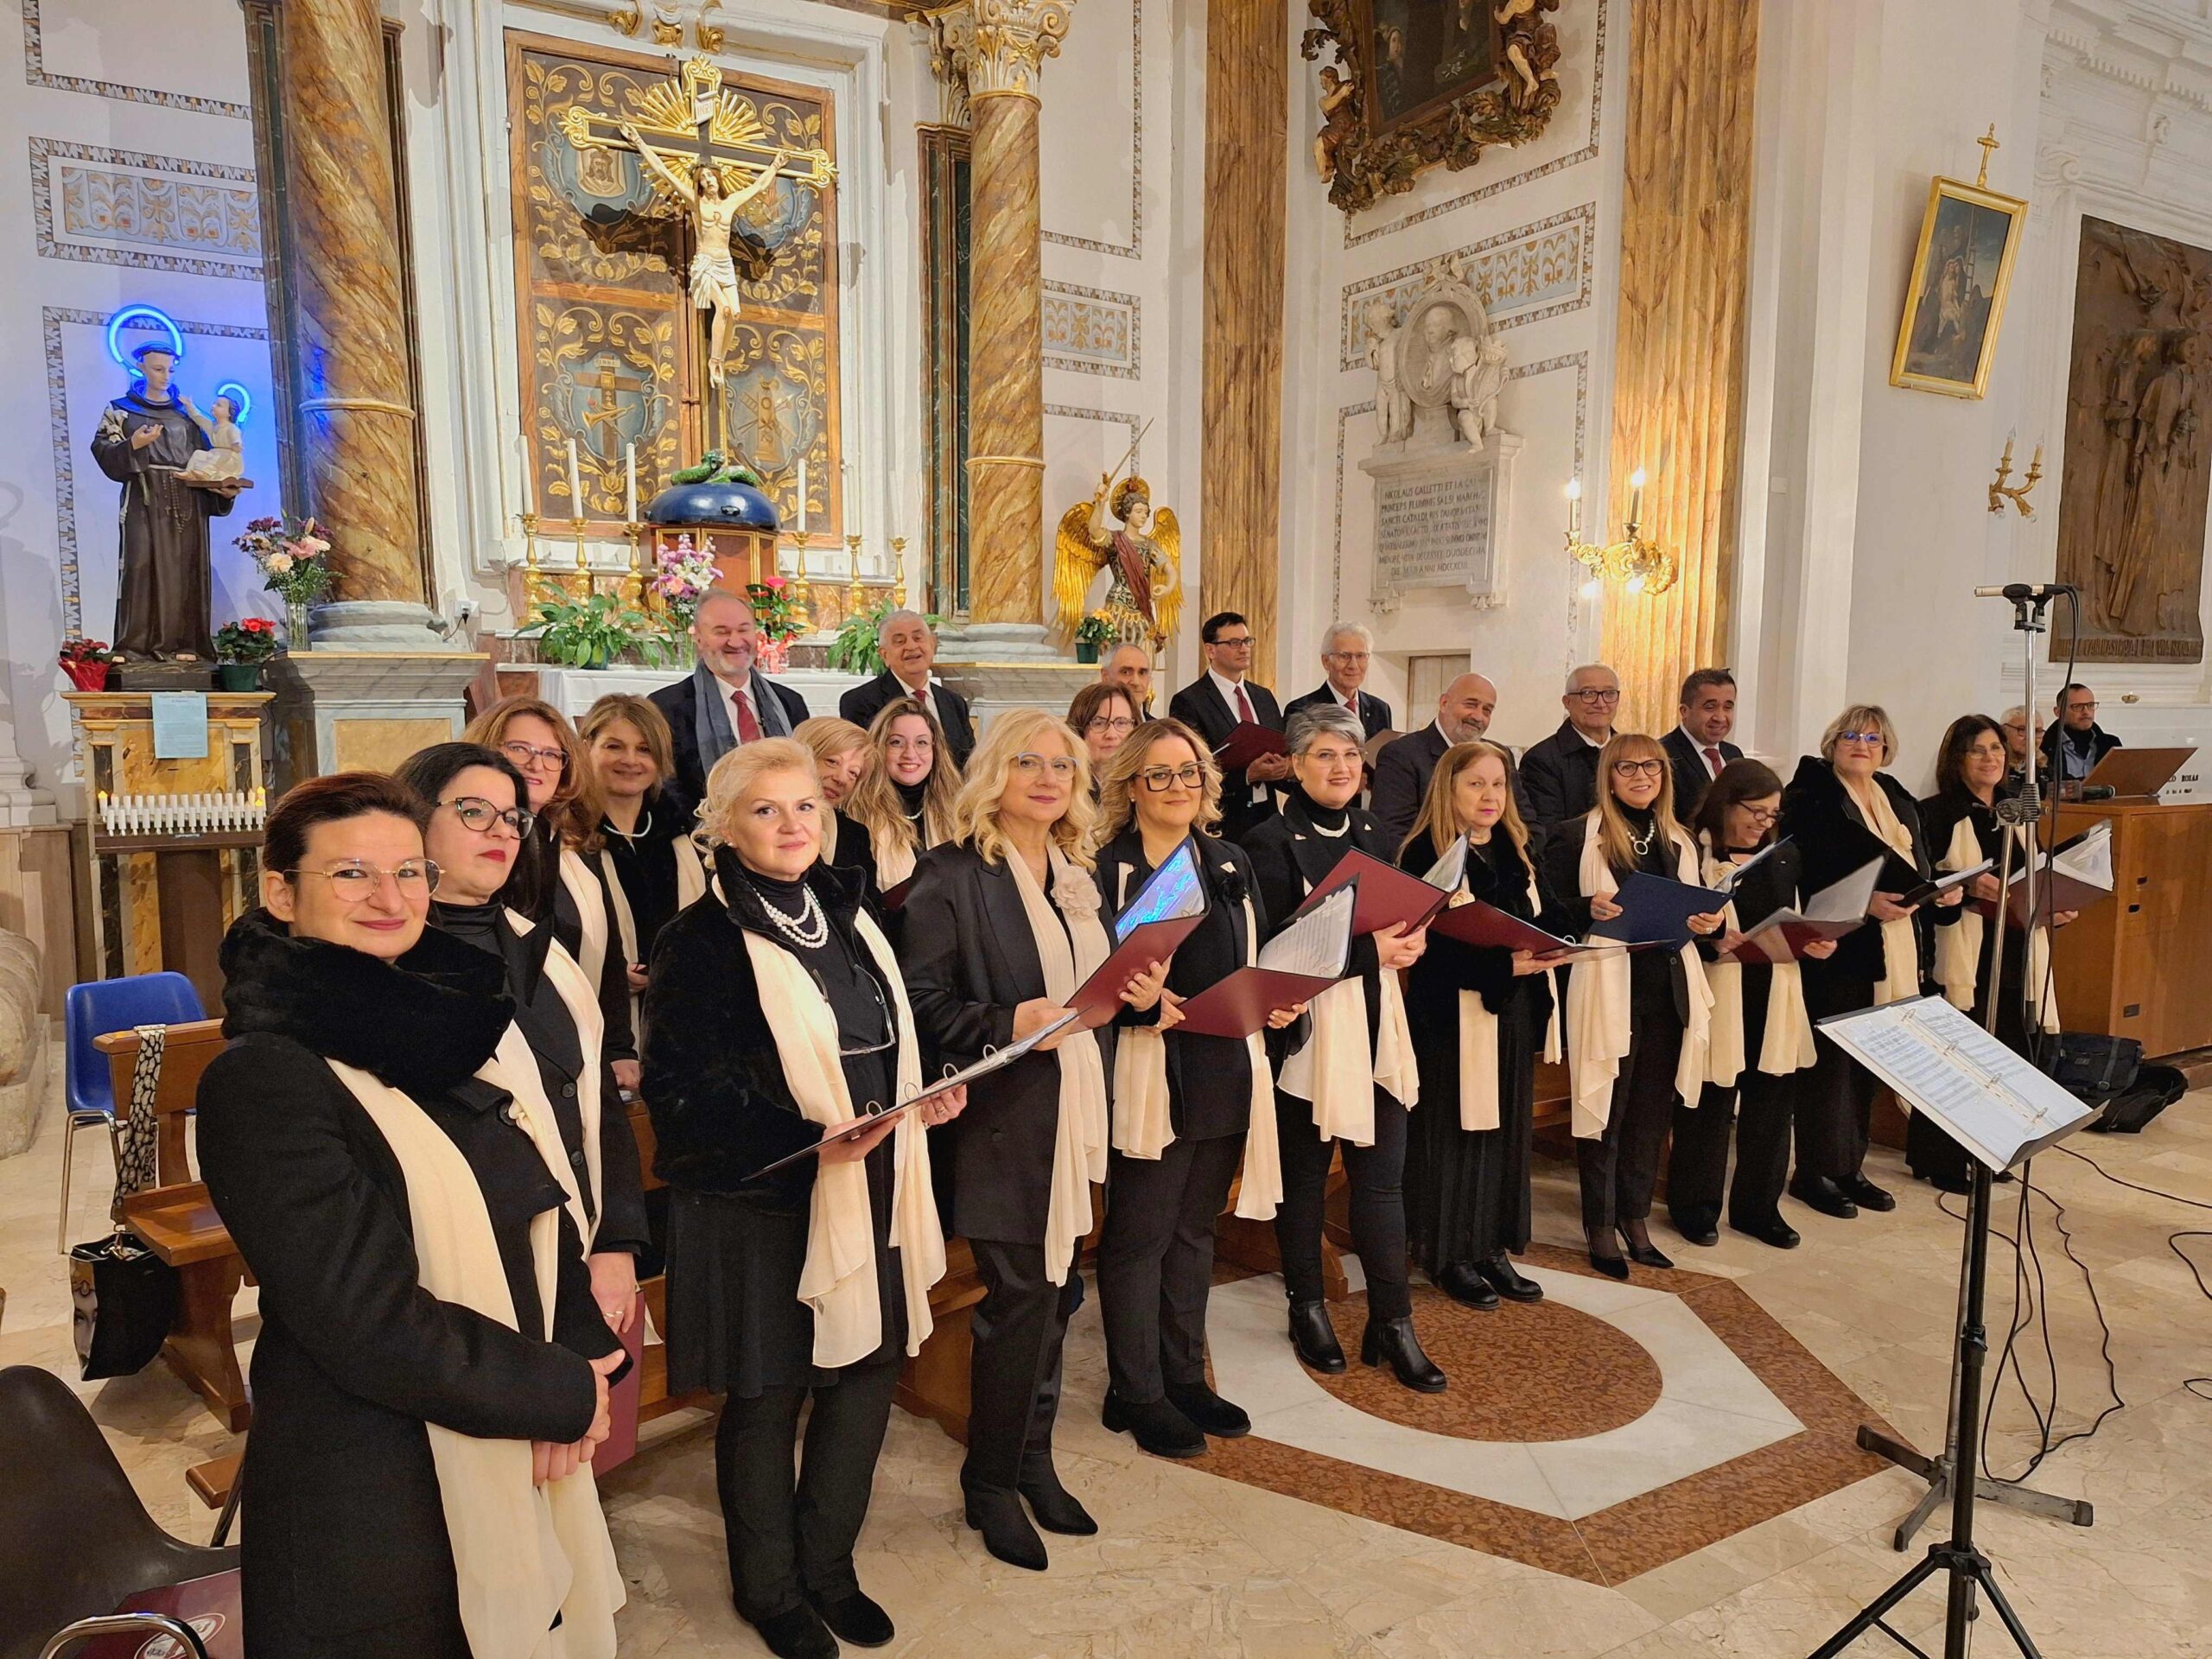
{"x": 1092, "y": 635}
{"x": 592, "y": 632}
{"x": 853, "y": 651}
{"x": 241, "y": 649}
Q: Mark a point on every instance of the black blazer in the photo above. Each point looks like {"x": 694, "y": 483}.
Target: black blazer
{"x": 1819, "y": 814}
{"x": 1289, "y": 859}
{"x": 863, "y": 702}
{"x": 1201, "y": 705}
{"x": 680, "y": 702}
{"x": 1559, "y": 778}
{"x": 1449, "y": 966}
{"x": 1402, "y": 775}
{"x": 1209, "y": 1078}
{"x": 970, "y": 959}
{"x": 1374, "y": 712}
{"x": 1689, "y": 767}
{"x": 349, "y": 1546}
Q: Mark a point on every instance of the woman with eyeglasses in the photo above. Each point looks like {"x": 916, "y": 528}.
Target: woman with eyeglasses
{"x": 1636, "y": 1024}
{"x": 841, "y": 758}
{"x": 904, "y": 800}
{"x": 1959, "y": 824}
{"x": 1345, "y": 1087}
{"x": 651, "y": 868}
{"x": 1192, "y": 1116}
{"x": 1762, "y": 1037}
{"x": 477, "y": 827}
{"x": 1842, "y": 810}
{"x": 1003, "y": 927}
{"x": 561, "y": 877}
{"x": 1104, "y": 715}
{"x": 431, "y": 1381}
{"x": 777, "y": 1013}
{"x": 1481, "y": 1017}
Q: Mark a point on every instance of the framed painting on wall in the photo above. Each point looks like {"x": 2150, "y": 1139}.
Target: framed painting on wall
{"x": 1954, "y": 301}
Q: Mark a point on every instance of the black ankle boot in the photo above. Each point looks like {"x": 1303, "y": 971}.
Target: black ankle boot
{"x": 1394, "y": 1340}
{"x": 797, "y": 1634}
{"x": 1467, "y": 1286}
{"x": 1006, "y": 1532}
{"x": 1315, "y": 1338}
{"x": 1508, "y": 1280}
{"x": 1158, "y": 1427}
{"x": 857, "y": 1619}
{"x": 1054, "y": 1507}
{"x": 1215, "y": 1415}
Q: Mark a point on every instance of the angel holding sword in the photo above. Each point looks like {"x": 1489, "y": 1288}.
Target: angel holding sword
{"x": 1144, "y": 550}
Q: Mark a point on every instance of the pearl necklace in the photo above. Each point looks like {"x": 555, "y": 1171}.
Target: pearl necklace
{"x": 1644, "y": 846}
{"x": 633, "y": 836}
{"x": 809, "y": 930}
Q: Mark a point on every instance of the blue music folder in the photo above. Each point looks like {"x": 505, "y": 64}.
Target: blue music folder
{"x": 1655, "y": 910}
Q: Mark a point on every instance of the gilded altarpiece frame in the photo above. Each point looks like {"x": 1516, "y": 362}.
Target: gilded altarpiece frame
{"x": 610, "y": 353}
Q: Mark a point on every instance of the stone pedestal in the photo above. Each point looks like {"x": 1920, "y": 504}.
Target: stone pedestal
{"x": 337, "y": 710}
{"x": 1000, "y": 665}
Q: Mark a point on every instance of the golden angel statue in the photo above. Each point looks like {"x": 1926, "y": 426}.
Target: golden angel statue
{"x": 1144, "y": 550}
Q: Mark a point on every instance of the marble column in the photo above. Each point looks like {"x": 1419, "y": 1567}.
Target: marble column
{"x": 348, "y": 324}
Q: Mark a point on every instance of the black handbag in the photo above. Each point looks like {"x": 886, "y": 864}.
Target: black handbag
{"x": 123, "y": 1297}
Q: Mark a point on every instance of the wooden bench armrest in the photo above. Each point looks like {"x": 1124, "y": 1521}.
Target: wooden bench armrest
{"x": 179, "y": 1223}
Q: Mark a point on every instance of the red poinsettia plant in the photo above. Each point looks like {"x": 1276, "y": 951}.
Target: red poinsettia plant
{"x": 86, "y": 662}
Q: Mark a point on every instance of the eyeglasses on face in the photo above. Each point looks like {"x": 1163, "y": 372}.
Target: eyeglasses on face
{"x": 1234, "y": 641}
{"x": 1761, "y": 816}
{"x": 1190, "y": 774}
{"x": 417, "y": 877}
{"x": 1111, "y": 723}
{"x": 1859, "y": 737}
{"x": 478, "y": 814}
{"x": 1035, "y": 765}
{"x": 2078, "y": 706}
{"x": 1347, "y": 656}
{"x": 530, "y": 758}
{"x": 1597, "y": 693}
{"x": 1639, "y": 768}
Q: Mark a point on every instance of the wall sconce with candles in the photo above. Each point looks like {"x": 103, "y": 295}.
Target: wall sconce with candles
{"x": 1639, "y": 564}
{"x": 2000, "y": 491}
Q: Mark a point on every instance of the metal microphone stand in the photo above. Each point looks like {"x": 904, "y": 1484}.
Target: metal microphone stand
{"x": 1941, "y": 1470}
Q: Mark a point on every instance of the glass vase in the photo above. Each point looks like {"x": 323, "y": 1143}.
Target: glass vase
{"x": 296, "y": 627}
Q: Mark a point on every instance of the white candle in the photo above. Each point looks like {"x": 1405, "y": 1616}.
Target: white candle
{"x": 801, "y": 496}
{"x": 1635, "y": 497}
{"x": 529, "y": 498}
{"x": 630, "y": 464}
{"x": 575, "y": 484}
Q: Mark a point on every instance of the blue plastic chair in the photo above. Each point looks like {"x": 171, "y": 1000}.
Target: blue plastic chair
{"x": 95, "y": 1008}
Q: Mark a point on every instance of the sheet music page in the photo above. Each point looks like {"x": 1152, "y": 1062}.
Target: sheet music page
{"x": 1318, "y": 942}
{"x": 2088, "y": 861}
{"x": 1846, "y": 900}
{"x": 1449, "y": 871}
{"x": 1170, "y": 892}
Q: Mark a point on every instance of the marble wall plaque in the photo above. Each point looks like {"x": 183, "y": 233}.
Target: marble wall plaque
{"x": 1438, "y": 519}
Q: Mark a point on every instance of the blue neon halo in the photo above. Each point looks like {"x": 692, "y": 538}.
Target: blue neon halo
{"x": 152, "y": 314}
{"x": 240, "y": 396}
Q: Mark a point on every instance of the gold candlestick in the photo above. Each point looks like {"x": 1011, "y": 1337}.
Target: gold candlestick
{"x": 2000, "y": 491}
{"x": 800, "y": 593}
{"x": 579, "y": 585}
{"x": 635, "y": 582}
{"x": 531, "y": 577}
{"x": 853, "y": 587}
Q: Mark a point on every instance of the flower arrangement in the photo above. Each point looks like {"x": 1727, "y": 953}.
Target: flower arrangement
{"x": 86, "y": 662}
{"x": 774, "y": 609}
{"x": 291, "y": 557}
{"x": 1094, "y": 630}
{"x": 250, "y": 639}
{"x": 681, "y": 574}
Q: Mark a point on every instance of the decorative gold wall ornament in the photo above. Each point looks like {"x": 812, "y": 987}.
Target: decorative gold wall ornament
{"x": 1637, "y": 562}
{"x": 1422, "y": 83}
{"x": 627, "y": 20}
{"x": 2000, "y": 491}
{"x": 1954, "y": 301}
{"x": 998, "y": 46}
{"x": 952, "y": 45}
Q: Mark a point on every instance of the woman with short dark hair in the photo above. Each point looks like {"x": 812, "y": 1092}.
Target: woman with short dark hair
{"x": 1103, "y": 714}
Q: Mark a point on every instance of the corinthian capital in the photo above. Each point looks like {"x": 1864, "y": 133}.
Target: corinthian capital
{"x": 997, "y": 46}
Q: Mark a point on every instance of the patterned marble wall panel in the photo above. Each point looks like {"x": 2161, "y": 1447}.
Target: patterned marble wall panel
{"x": 1091, "y": 176}
{"x": 194, "y": 59}
{"x": 1523, "y": 276}
{"x": 152, "y": 213}
{"x": 1092, "y": 330}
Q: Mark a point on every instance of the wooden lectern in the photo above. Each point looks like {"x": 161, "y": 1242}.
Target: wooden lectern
{"x": 2139, "y": 965}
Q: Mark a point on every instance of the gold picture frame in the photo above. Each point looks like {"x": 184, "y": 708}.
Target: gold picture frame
{"x": 1946, "y": 338}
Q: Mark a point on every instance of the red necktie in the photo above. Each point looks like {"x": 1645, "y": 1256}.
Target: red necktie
{"x": 748, "y": 725}
{"x": 1713, "y": 760}
{"x": 1245, "y": 706}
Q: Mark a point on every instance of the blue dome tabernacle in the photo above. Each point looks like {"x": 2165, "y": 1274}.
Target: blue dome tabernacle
{"x": 716, "y": 506}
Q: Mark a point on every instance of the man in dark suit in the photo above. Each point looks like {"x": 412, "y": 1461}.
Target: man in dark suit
{"x": 1218, "y": 702}
{"x": 1698, "y": 747}
{"x": 1558, "y": 775}
{"x": 726, "y": 701}
{"x": 908, "y": 649}
{"x": 2072, "y": 748}
{"x": 1345, "y": 652}
{"x": 1404, "y": 769}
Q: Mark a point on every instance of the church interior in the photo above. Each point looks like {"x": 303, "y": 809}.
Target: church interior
{"x": 1849, "y": 348}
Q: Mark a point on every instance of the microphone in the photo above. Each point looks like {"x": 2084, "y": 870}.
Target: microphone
{"x": 2018, "y": 591}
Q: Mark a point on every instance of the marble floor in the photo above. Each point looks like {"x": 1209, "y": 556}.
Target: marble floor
{"x": 1652, "y": 1471}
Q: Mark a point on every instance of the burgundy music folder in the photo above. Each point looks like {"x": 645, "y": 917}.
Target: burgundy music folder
{"x": 1387, "y": 895}
{"x": 1245, "y": 745}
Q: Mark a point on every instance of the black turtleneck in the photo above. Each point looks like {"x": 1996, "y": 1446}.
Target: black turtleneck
{"x": 911, "y": 796}
{"x": 1659, "y": 859}
{"x": 1327, "y": 819}
{"x": 846, "y": 984}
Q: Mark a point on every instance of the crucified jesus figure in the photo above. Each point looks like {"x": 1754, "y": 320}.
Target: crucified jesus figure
{"x": 713, "y": 286}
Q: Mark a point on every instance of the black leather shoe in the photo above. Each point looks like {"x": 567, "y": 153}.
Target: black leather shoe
{"x": 1778, "y": 1232}
{"x": 1209, "y": 1411}
{"x": 1957, "y": 1186}
{"x": 1158, "y": 1427}
{"x": 1867, "y": 1196}
{"x": 1055, "y": 1508}
{"x": 1467, "y": 1285}
{"x": 1393, "y": 1340}
{"x": 1823, "y": 1195}
{"x": 858, "y": 1619}
{"x": 1006, "y": 1532}
{"x": 1315, "y": 1338}
{"x": 1645, "y": 1255}
{"x": 1699, "y": 1226}
{"x": 799, "y": 1634}
{"x": 1508, "y": 1280}
{"x": 1612, "y": 1265}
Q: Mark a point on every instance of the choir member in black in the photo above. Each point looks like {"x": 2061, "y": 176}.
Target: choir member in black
{"x": 652, "y": 867}
{"x": 776, "y": 1012}
{"x": 904, "y": 799}
{"x": 476, "y": 823}
{"x": 1103, "y": 714}
{"x": 1189, "y": 1112}
{"x": 841, "y": 758}
{"x": 1636, "y": 1024}
{"x": 561, "y": 876}
{"x": 1842, "y": 810}
{"x": 1959, "y": 823}
{"x": 421, "y": 1393}
{"x": 1343, "y": 1085}
{"x": 1761, "y": 1038}
{"x": 1003, "y": 927}
{"x": 1468, "y": 1164}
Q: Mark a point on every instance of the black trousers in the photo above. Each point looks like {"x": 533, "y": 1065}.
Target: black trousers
{"x": 1377, "y": 1176}
{"x": 1759, "y": 1106}
{"x": 1835, "y": 1099}
{"x": 1014, "y": 1377}
{"x": 786, "y": 1540}
{"x": 1620, "y": 1168}
{"x": 1155, "y": 1263}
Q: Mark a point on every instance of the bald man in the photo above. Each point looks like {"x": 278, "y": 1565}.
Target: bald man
{"x": 908, "y": 646}
{"x": 1402, "y": 770}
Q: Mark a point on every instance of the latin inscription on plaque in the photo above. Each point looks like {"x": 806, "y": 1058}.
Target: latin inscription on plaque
{"x": 1433, "y": 529}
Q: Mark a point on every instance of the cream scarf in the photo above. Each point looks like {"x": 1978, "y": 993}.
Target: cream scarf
{"x": 581, "y": 1000}
{"x": 1478, "y": 1101}
{"x": 1080, "y": 1145}
{"x": 1142, "y": 1122}
{"x": 1597, "y": 1006}
{"x": 1900, "y": 940}
{"x": 838, "y": 1278}
{"x": 1787, "y": 1045}
{"x": 591, "y": 914}
{"x": 1958, "y": 947}
{"x": 522, "y": 1554}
